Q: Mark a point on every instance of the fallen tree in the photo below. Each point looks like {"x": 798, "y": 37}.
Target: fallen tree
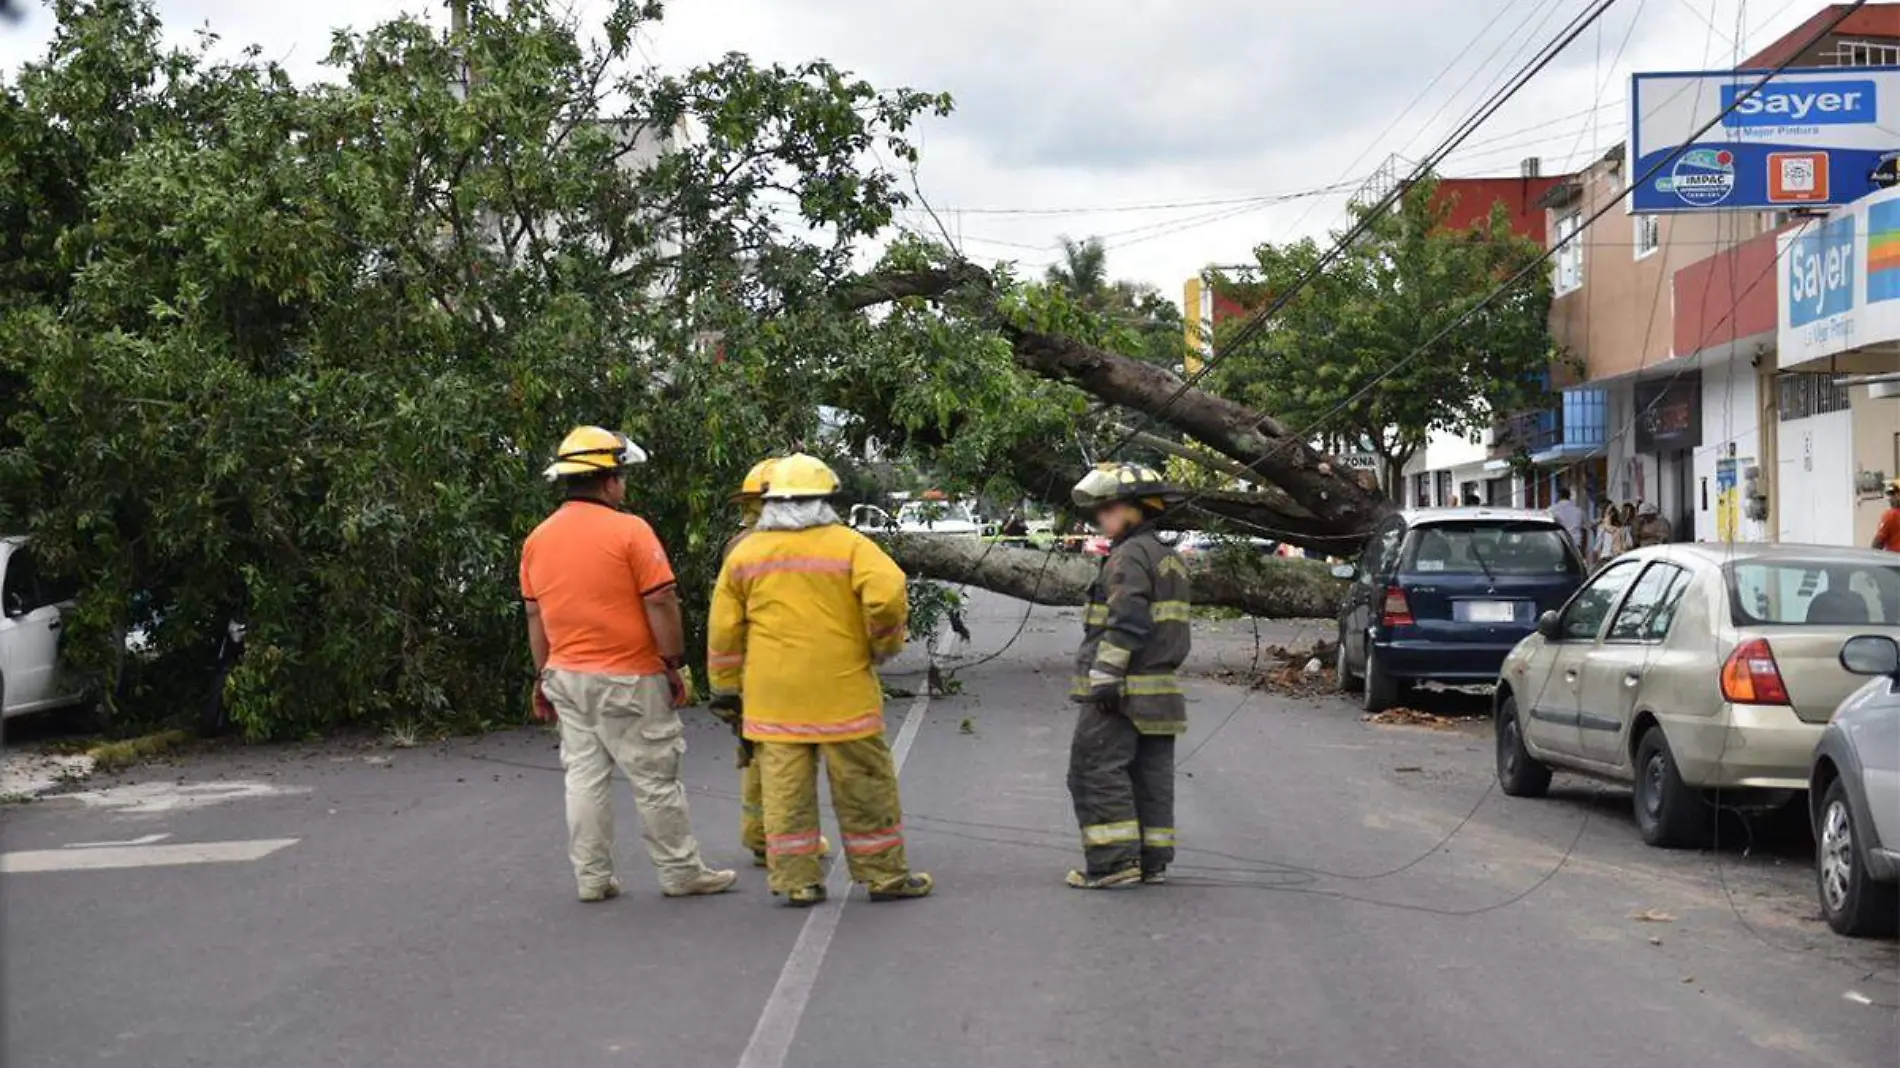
{"x": 1260, "y": 586}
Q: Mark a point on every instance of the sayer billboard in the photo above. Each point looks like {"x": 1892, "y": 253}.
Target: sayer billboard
{"x": 1840, "y": 281}
{"x": 1807, "y": 138}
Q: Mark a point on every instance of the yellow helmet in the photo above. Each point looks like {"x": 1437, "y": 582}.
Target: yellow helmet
{"x": 1893, "y": 485}
{"x": 756, "y": 480}
{"x": 1125, "y": 482}
{"x": 589, "y": 450}
{"x": 799, "y": 475}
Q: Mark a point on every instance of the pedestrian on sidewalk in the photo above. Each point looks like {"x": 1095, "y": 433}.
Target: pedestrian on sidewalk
{"x": 1651, "y": 528}
{"x": 1134, "y": 636}
{"x": 1887, "y": 535}
{"x": 804, "y": 609}
{"x": 1569, "y": 516}
{"x": 604, "y": 629}
{"x": 1613, "y": 533}
{"x": 750, "y": 500}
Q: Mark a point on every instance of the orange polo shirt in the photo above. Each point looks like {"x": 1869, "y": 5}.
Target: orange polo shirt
{"x": 588, "y": 566}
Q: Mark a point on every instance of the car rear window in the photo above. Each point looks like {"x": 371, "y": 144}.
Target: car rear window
{"x": 1813, "y": 593}
{"x": 1495, "y": 547}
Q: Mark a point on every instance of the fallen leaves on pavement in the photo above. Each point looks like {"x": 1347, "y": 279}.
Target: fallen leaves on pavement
{"x": 1652, "y": 916}
{"x": 1412, "y": 717}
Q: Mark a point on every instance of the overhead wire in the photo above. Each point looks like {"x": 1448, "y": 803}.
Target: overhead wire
{"x": 1258, "y": 321}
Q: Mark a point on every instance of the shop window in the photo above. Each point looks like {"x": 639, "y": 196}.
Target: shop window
{"x": 1445, "y": 498}
{"x": 1422, "y": 490}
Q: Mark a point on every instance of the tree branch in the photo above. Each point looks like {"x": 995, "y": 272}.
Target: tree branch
{"x": 1269, "y": 587}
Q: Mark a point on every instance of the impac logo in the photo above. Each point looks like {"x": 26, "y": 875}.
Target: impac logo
{"x": 1828, "y": 103}
{"x": 1821, "y": 273}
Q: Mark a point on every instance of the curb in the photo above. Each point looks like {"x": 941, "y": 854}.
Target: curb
{"x": 26, "y": 775}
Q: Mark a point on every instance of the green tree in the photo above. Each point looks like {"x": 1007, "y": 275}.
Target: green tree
{"x": 296, "y": 353}
{"x": 1359, "y": 352}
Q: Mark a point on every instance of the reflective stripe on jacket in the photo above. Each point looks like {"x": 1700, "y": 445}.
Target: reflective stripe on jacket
{"x": 1135, "y": 634}
{"x": 798, "y": 619}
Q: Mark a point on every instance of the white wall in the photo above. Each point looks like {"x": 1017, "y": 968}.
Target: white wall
{"x": 1815, "y": 480}
{"x": 1730, "y": 427}
{"x": 1632, "y": 475}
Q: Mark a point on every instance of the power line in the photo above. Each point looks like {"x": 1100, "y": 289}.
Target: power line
{"x": 1258, "y": 321}
{"x": 1536, "y": 264}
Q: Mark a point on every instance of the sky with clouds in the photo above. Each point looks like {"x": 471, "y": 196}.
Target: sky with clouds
{"x": 1183, "y": 133}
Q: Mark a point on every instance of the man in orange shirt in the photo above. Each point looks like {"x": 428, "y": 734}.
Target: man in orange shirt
{"x": 604, "y": 628}
{"x": 1887, "y": 535}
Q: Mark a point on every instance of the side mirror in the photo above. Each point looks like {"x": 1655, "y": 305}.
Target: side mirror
{"x": 1871, "y": 654}
{"x": 1547, "y": 625}
{"x": 1344, "y": 571}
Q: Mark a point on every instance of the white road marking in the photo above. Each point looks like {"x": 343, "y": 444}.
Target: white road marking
{"x": 142, "y": 856}
{"x": 1858, "y": 998}
{"x": 145, "y": 840}
{"x": 154, "y": 797}
{"x": 778, "y": 1024}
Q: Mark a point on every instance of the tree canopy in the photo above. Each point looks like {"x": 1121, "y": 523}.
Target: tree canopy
{"x": 295, "y": 353}
{"x": 1363, "y": 350}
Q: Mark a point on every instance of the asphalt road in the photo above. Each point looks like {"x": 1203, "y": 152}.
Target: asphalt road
{"x": 1349, "y": 895}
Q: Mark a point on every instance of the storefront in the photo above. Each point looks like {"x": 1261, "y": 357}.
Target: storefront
{"x": 1837, "y": 440}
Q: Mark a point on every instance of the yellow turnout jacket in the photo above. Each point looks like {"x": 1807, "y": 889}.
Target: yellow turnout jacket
{"x": 798, "y": 619}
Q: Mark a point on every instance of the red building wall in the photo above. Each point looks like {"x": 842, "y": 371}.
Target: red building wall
{"x": 1726, "y": 297}
{"x": 1471, "y": 200}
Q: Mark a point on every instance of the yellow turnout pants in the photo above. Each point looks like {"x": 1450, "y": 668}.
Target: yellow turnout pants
{"x": 863, "y": 795}
{"x": 752, "y": 806}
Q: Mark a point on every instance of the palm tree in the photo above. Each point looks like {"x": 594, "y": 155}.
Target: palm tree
{"x": 1082, "y": 272}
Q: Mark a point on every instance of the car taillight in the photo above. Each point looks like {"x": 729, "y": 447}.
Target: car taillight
{"x": 1751, "y": 677}
{"x": 1397, "y": 611}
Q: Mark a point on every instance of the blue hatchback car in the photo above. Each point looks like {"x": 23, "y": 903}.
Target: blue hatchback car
{"x": 1442, "y": 595}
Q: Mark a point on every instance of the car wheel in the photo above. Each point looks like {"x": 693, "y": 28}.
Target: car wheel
{"x": 1519, "y": 773}
{"x": 1852, "y": 901}
{"x": 1668, "y": 812}
{"x": 1381, "y": 689}
{"x": 1342, "y": 669}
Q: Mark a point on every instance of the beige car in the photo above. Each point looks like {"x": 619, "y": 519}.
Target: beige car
{"x": 1689, "y": 669}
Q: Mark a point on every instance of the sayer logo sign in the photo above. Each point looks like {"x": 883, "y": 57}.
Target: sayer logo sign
{"x": 1821, "y": 273}
{"x": 1829, "y": 103}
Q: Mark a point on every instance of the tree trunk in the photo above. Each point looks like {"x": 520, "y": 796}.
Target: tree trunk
{"x": 1270, "y": 587}
{"x": 1318, "y": 503}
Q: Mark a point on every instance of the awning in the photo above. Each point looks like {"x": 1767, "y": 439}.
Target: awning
{"x": 1565, "y": 453}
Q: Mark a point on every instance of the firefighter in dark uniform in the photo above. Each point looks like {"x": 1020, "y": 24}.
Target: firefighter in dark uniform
{"x": 1135, "y": 634}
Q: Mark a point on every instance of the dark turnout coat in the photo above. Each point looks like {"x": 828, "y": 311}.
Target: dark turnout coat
{"x": 1135, "y": 634}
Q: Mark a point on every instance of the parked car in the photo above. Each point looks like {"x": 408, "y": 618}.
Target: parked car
{"x": 938, "y": 517}
{"x": 1854, "y": 796}
{"x": 33, "y": 606}
{"x": 1689, "y": 668}
{"x": 1444, "y": 595}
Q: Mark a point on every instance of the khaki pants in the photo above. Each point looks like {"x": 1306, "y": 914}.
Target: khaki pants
{"x": 864, "y": 793}
{"x": 626, "y": 720}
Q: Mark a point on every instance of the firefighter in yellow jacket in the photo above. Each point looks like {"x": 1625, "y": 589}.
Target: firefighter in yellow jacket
{"x": 750, "y": 500}
{"x": 803, "y": 609}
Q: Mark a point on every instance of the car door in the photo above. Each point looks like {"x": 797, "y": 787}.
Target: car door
{"x": 29, "y": 631}
{"x": 1614, "y": 669}
{"x": 1876, "y": 740}
{"x": 1552, "y": 685}
{"x": 1366, "y": 597}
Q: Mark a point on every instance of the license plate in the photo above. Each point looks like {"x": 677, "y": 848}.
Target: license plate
{"x": 1489, "y": 611}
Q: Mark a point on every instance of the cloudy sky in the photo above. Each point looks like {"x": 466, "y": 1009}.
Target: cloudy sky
{"x": 1184, "y": 132}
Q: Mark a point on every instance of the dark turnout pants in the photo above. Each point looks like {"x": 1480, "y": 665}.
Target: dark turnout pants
{"x": 1122, "y": 782}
